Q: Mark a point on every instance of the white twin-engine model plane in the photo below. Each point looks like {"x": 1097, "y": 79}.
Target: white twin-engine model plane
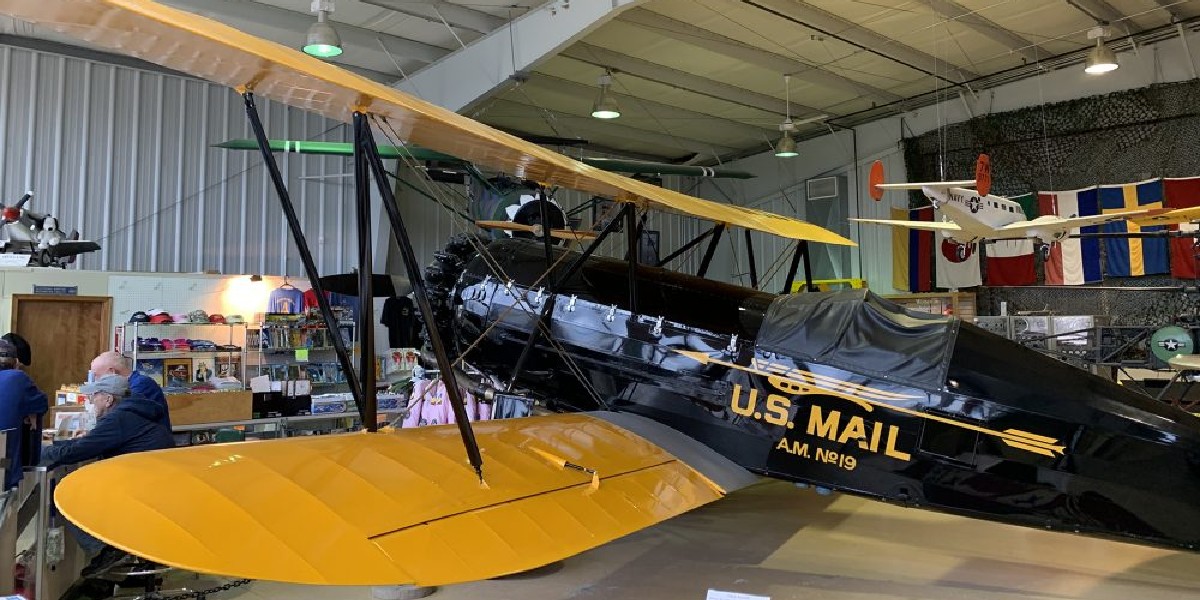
{"x": 973, "y": 215}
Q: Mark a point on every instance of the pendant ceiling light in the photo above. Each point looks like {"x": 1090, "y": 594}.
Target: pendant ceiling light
{"x": 786, "y": 147}
{"x": 605, "y": 106}
{"x": 323, "y": 40}
{"x": 1101, "y": 59}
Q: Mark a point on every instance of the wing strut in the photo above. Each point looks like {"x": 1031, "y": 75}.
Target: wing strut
{"x": 801, "y": 253}
{"x": 688, "y": 246}
{"x": 310, "y": 268}
{"x": 544, "y": 318}
{"x": 366, "y": 141}
{"x": 544, "y": 209}
{"x": 632, "y": 239}
{"x": 712, "y": 249}
{"x": 750, "y": 256}
{"x": 366, "y": 306}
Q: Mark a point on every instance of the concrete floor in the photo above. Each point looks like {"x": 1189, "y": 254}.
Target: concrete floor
{"x": 776, "y": 540}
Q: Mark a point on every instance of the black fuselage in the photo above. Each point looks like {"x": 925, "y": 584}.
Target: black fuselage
{"x": 1004, "y": 432}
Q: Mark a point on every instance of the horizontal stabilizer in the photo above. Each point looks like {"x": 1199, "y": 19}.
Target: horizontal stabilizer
{"x": 924, "y": 225}
{"x": 929, "y": 184}
{"x": 391, "y": 507}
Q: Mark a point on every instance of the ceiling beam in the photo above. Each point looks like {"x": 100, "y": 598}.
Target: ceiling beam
{"x": 435, "y": 11}
{"x": 1172, "y": 8}
{"x": 853, "y": 33}
{"x": 714, "y": 42}
{"x": 651, "y": 108}
{"x": 597, "y": 129}
{"x": 1099, "y": 11}
{"x": 290, "y": 27}
{"x": 603, "y": 57}
{"x": 1015, "y": 43}
{"x": 471, "y": 74}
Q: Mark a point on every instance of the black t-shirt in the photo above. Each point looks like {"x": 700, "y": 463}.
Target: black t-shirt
{"x": 399, "y": 315}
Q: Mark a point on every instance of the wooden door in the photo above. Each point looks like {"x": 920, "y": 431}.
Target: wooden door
{"x": 65, "y": 333}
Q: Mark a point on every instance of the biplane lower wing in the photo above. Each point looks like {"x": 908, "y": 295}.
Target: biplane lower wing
{"x": 398, "y": 506}
{"x": 219, "y": 53}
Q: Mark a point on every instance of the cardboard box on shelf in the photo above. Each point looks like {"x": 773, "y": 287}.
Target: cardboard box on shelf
{"x": 213, "y": 407}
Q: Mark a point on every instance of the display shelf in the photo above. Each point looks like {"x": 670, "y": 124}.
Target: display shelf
{"x": 176, "y": 354}
{"x": 204, "y": 365}
{"x": 271, "y": 348}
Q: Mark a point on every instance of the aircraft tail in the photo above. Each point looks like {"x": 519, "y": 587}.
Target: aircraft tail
{"x": 982, "y": 181}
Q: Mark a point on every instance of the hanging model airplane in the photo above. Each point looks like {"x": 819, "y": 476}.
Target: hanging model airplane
{"x": 970, "y": 216}
{"x": 672, "y": 388}
{"x": 23, "y": 231}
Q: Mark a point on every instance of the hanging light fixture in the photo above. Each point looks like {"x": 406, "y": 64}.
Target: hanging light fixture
{"x": 786, "y": 147}
{"x": 1101, "y": 59}
{"x": 323, "y": 40}
{"x": 605, "y": 106}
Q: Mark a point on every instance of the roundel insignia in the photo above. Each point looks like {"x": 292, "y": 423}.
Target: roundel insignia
{"x": 1169, "y": 342}
{"x": 876, "y": 178}
{"x": 956, "y": 252}
{"x": 983, "y": 174}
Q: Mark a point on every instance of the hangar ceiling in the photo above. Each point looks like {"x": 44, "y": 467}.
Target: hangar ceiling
{"x": 703, "y": 80}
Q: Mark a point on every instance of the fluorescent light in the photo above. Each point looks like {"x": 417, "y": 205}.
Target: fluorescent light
{"x": 605, "y": 106}
{"x": 1101, "y": 59}
{"x": 323, "y": 40}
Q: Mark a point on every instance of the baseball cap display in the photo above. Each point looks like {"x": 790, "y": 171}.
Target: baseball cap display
{"x": 197, "y": 316}
{"x": 235, "y": 319}
{"x": 161, "y": 318}
{"x": 216, "y": 318}
{"x": 139, "y": 317}
{"x": 110, "y": 384}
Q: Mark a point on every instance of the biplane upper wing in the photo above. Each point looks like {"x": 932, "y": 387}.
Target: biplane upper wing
{"x": 397, "y": 506}
{"x": 210, "y": 50}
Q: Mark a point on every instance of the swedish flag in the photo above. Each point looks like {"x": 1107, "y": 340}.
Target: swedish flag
{"x": 1132, "y": 257}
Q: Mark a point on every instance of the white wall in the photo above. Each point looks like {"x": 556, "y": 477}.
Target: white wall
{"x": 834, "y": 153}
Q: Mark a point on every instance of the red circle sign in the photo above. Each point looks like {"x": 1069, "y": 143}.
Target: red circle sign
{"x": 875, "y": 179}
{"x": 983, "y": 175}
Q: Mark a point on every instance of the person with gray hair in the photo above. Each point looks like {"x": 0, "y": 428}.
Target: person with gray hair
{"x": 125, "y": 423}
{"x": 117, "y": 364}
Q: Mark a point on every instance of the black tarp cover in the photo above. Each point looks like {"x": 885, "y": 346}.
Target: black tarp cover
{"x": 859, "y": 331}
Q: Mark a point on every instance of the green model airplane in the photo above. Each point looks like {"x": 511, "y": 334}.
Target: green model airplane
{"x": 607, "y": 164}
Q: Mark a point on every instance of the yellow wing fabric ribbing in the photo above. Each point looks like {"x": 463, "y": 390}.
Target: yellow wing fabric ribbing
{"x": 385, "y": 508}
{"x": 216, "y": 52}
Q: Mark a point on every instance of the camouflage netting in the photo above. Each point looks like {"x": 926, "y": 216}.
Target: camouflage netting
{"x": 1122, "y": 137}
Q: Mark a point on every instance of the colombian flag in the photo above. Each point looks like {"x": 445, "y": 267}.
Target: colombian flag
{"x": 912, "y": 251}
{"x": 1132, "y": 257}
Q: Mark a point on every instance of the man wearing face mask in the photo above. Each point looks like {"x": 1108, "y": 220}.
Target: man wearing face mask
{"x": 125, "y": 423}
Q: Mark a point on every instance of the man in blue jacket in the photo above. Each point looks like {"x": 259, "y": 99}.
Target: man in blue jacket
{"x": 20, "y": 399}
{"x": 115, "y": 363}
{"x": 125, "y": 423}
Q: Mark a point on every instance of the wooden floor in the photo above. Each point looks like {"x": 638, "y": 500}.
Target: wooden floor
{"x": 776, "y": 540}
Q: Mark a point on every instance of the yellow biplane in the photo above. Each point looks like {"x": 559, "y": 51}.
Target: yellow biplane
{"x": 682, "y": 386}
{"x": 384, "y": 507}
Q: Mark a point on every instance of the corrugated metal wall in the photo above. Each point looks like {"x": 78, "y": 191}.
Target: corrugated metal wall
{"x": 124, "y": 155}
